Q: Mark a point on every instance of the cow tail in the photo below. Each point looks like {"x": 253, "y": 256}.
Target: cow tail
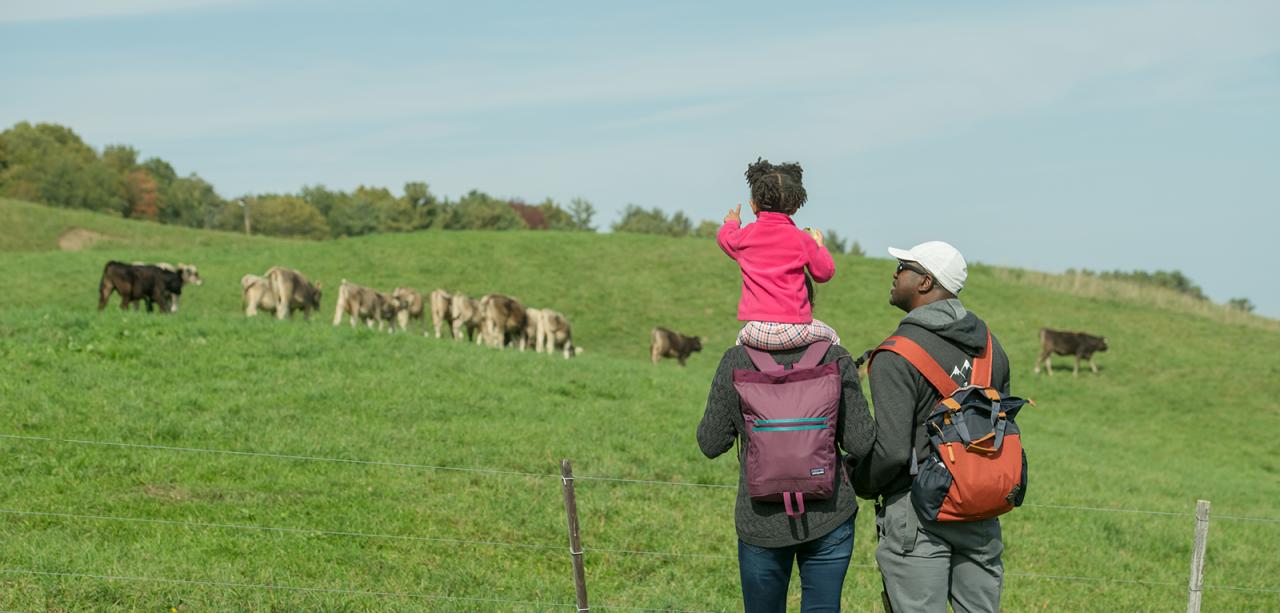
{"x": 104, "y": 288}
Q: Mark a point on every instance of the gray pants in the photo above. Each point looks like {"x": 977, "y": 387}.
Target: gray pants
{"x": 926, "y": 563}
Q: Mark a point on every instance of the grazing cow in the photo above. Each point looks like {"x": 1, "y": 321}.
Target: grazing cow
{"x": 554, "y": 331}
{"x": 147, "y": 283}
{"x": 466, "y": 317}
{"x": 532, "y": 317}
{"x": 504, "y": 321}
{"x": 1078, "y": 344}
{"x": 365, "y": 304}
{"x": 410, "y": 306}
{"x": 256, "y": 293}
{"x": 440, "y": 313}
{"x": 190, "y": 276}
{"x": 282, "y": 290}
{"x": 667, "y": 344}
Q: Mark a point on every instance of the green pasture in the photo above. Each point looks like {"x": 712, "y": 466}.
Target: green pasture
{"x": 1185, "y": 408}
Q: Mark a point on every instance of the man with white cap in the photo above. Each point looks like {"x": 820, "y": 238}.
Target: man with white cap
{"x": 926, "y": 563}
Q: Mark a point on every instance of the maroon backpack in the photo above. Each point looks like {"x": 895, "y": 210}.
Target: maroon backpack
{"x": 791, "y": 427}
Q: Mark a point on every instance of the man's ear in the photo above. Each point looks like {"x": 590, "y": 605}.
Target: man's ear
{"x": 926, "y": 284}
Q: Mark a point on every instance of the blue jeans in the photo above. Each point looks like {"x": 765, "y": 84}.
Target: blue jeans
{"x": 766, "y": 572}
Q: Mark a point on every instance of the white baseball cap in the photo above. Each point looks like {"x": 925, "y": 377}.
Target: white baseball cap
{"x": 942, "y": 261}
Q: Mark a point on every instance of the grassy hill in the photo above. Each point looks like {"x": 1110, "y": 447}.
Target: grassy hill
{"x": 1184, "y": 409}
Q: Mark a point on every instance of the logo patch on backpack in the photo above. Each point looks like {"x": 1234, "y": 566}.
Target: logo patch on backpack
{"x": 816, "y": 472}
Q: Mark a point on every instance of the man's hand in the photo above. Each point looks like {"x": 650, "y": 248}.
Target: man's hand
{"x": 817, "y": 236}
{"x": 735, "y": 214}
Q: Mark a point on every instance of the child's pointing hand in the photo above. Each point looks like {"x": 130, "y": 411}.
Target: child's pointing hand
{"x": 735, "y": 214}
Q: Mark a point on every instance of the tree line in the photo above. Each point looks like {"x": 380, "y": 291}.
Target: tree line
{"x": 52, "y": 165}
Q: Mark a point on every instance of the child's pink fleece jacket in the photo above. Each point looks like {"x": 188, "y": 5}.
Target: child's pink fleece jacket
{"x": 773, "y": 254}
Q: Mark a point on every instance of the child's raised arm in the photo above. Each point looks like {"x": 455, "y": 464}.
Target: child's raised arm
{"x": 727, "y": 236}
{"x": 821, "y": 266}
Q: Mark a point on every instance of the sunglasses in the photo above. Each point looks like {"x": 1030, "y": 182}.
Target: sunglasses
{"x": 919, "y": 271}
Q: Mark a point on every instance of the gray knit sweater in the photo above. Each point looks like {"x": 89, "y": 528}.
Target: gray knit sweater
{"x": 766, "y": 524}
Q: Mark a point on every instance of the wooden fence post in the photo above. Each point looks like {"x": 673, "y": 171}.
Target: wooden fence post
{"x": 575, "y": 544}
{"x": 1197, "y": 557}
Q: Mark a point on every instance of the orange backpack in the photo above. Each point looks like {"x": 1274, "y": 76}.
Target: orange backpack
{"x": 977, "y": 468}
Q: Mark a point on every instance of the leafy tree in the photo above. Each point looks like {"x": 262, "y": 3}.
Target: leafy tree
{"x": 835, "y": 244}
{"x": 1241, "y": 304}
{"x": 120, "y": 158}
{"x": 323, "y": 199}
{"x": 364, "y": 211}
{"x": 679, "y": 224}
{"x": 856, "y": 249}
{"x": 706, "y": 229}
{"x": 641, "y": 221}
{"x": 428, "y": 211}
{"x": 143, "y": 194}
{"x": 556, "y": 217}
{"x": 288, "y": 216}
{"x": 479, "y": 211}
{"x": 189, "y": 201}
{"x": 49, "y": 163}
{"x": 653, "y": 221}
{"x": 581, "y": 210}
{"x": 531, "y": 215}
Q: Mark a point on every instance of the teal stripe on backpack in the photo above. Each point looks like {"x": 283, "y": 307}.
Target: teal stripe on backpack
{"x": 785, "y": 428}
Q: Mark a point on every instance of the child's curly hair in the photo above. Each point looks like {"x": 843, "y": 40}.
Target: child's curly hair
{"x": 777, "y": 187}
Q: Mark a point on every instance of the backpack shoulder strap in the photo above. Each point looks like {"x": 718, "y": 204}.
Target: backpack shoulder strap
{"x": 813, "y": 355}
{"x": 918, "y": 357}
{"x": 763, "y": 361}
{"x": 982, "y": 365}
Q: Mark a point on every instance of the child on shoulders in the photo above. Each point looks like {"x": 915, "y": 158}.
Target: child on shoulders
{"x": 775, "y": 255}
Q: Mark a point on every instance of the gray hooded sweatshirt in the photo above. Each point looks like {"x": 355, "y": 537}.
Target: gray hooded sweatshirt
{"x": 903, "y": 398}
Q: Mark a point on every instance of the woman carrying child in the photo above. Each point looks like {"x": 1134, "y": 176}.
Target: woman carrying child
{"x": 774, "y": 255}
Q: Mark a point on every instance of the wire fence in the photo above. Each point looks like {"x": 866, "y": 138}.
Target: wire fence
{"x": 556, "y": 548}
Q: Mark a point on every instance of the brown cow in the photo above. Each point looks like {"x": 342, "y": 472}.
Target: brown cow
{"x": 292, "y": 288}
{"x": 667, "y": 344}
{"x": 504, "y": 321}
{"x": 1077, "y": 344}
{"x": 147, "y": 283}
{"x": 365, "y": 304}
{"x": 190, "y": 276}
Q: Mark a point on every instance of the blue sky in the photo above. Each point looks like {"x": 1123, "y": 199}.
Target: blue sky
{"x": 1102, "y": 135}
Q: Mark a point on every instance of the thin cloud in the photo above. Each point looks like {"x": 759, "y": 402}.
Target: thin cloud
{"x": 18, "y": 11}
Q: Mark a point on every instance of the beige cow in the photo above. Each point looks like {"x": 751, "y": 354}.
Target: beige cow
{"x": 409, "y": 306}
{"x": 293, "y": 292}
{"x": 262, "y": 292}
{"x": 532, "y": 319}
{"x": 440, "y": 313}
{"x": 555, "y": 332}
{"x": 256, "y": 293}
{"x": 466, "y": 317}
{"x": 366, "y": 304}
